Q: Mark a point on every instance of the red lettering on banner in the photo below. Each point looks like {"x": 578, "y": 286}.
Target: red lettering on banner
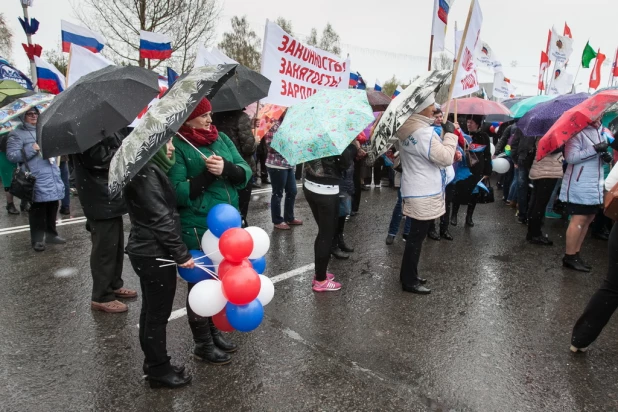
{"x": 468, "y": 82}
{"x": 303, "y": 72}
{"x": 283, "y": 88}
{"x": 284, "y": 44}
{"x": 282, "y": 65}
{"x": 295, "y": 90}
{"x": 299, "y": 51}
{"x": 291, "y": 48}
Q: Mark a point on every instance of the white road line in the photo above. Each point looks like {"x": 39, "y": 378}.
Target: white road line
{"x": 10, "y": 231}
{"x": 260, "y": 191}
{"x": 6, "y": 229}
{"x": 179, "y": 313}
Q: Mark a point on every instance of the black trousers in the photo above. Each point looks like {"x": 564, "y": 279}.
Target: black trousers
{"x": 603, "y": 303}
{"x": 244, "y": 197}
{"x": 158, "y": 285}
{"x": 325, "y": 210}
{"x": 200, "y": 326}
{"x": 42, "y": 219}
{"x": 541, "y": 193}
{"x": 358, "y": 177}
{"x": 412, "y": 254}
{"x": 106, "y": 257}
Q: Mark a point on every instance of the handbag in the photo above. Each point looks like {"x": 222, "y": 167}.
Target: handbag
{"x": 471, "y": 157}
{"x": 611, "y": 203}
{"x": 486, "y": 196}
{"x": 22, "y": 185}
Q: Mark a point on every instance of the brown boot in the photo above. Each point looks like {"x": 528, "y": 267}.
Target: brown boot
{"x": 109, "y": 307}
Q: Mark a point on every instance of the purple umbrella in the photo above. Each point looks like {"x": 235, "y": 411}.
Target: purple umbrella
{"x": 542, "y": 117}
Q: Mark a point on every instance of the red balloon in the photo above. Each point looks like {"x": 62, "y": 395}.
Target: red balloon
{"x": 241, "y": 285}
{"x": 236, "y": 245}
{"x": 221, "y": 322}
{"x": 226, "y": 265}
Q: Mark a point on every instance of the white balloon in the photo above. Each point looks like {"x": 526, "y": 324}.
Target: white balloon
{"x": 210, "y": 246}
{"x": 267, "y": 290}
{"x": 206, "y": 298}
{"x": 500, "y": 165}
{"x": 261, "y": 242}
{"x": 493, "y": 149}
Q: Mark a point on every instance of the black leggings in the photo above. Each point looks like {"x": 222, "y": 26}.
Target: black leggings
{"x": 412, "y": 254}
{"x": 325, "y": 210}
{"x": 158, "y": 286}
{"x": 42, "y": 218}
{"x": 603, "y": 303}
{"x": 541, "y": 193}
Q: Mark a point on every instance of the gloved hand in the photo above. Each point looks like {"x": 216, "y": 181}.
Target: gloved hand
{"x": 607, "y": 158}
{"x": 448, "y": 127}
{"x": 601, "y": 147}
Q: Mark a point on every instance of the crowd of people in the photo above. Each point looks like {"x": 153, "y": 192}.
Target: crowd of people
{"x": 437, "y": 166}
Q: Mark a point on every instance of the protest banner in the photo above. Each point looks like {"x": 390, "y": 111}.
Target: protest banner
{"x": 465, "y": 78}
{"x": 296, "y": 70}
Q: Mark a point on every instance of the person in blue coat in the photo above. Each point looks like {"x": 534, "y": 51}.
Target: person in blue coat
{"x": 22, "y": 148}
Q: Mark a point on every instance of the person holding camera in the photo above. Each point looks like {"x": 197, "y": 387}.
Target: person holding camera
{"x": 582, "y": 189}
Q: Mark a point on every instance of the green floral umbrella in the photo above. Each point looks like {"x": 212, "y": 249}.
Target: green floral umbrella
{"x": 10, "y": 90}
{"x": 21, "y": 105}
{"x": 162, "y": 121}
{"x": 522, "y": 107}
{"x": 323, "y": 125}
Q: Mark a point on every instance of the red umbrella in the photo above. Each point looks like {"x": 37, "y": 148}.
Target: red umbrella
{"x": 575, "y": 120}
{"x": 476, "y": 105}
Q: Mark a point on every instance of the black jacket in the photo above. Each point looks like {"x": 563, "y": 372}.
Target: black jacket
{"x": 483, "y": 167}
{"x": 523, "y": 150}
{"x": 237, "y": 126}
{"x": 330, "y": 170}
{"x": 155, "y": 223}
{"x": 504, "y": 139}
{"x": 91, "y": 177}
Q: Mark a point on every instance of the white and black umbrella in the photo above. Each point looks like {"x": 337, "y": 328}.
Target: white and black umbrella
{"x": 162, "y": 121}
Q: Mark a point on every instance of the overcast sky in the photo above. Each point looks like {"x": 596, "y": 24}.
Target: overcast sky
{"x": 389, "y": 37}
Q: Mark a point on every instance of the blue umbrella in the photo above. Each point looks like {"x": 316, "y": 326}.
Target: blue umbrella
{"x": 541, "y": 118}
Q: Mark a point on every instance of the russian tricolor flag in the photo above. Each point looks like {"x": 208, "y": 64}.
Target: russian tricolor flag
{"x": 398, "y": 90}
{"x": 154, "y": 46}
{"x": 378, "y": 86}
{"x": 353, "y": 80}
{"x": 81, "y": 36}
{"x": 48, "y": 76}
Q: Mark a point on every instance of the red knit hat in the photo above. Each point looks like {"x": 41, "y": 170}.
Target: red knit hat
{"x": 202, "y": 107}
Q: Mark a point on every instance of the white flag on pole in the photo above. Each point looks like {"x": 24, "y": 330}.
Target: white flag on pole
{"x": 560, "y": 47}
{"x": 467, "y": 78}
{"x": 503, "y": 89}
{"x": 441, "y": 9}
{"x": 211, "y": 57}
{"x": 82, "y": 61}
{"x": 562, "y": 82}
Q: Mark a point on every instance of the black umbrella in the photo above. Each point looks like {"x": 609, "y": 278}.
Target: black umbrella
{"x": 242, "y": 89}
{"x": 162, "y": 121}
{"x": 97, "y": 105}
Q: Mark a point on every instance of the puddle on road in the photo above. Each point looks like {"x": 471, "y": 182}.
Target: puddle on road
{"x": 65, "y": 272}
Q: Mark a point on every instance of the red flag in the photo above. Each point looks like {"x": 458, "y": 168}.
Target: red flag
{"x": 615, "y": 67}
{"x": 595, "y": 76}
{"x": 567, "y": 31}
{"x": 543, "y": 66}
{"x": 548, "y": 45}
{"x": 32, "y": 50}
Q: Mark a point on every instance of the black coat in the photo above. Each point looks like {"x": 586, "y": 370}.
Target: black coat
{"x": 155, "y": 222}
{"x": 523, "y": 149}
{"x": 330, "y": 170}
{"x": 483, "y": 167}
{"x": 237, "y": 126}
{"x": 91, "y": 177}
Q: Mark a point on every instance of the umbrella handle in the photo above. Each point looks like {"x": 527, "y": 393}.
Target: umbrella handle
{"x": 191, "y": 144}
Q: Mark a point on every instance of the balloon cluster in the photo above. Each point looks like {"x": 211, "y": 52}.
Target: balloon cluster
{"x": 495, "y": 126}
{"x": 235, "y": 297}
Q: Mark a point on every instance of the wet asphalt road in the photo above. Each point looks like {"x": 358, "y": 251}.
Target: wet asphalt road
{"x": 493, "y": 336}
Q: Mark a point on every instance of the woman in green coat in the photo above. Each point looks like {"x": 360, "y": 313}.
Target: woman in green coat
{"x": 200, "y": 185}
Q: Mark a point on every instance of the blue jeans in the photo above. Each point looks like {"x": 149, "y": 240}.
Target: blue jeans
{"x": 64, "y": 175}
{"x": 513, "y": 190}
{"x": 522, "y": 191}
{"x": 280, "y": 180}
{"x": 397, "y": 216}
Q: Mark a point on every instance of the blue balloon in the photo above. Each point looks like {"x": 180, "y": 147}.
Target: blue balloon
{"x": 223, "y": 217}
{"x": 245, "y": 318}
{"x": 196, "y": 274}
{"x": 259, "y": 264}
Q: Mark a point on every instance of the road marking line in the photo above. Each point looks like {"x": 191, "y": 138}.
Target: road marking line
{"x": 6, "y": 229}
{"x": 10, "y": 231}
{"x": 179, "y": 313}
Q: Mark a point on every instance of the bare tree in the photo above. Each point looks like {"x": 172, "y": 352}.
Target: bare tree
{"x": 330, "y": 40}
{"x": 189, "y": 23}
{"x": 442, "y": 62}
{"x": 242, "y": 44}
{"x": 312, "y": 40}
{"x": 390, "y": 85}
{"x": 6, "y": 36}
{"x": 286, "y": 25}
{"x": 58, "y": 59}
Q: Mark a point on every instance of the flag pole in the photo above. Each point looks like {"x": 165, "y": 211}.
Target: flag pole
{"x": 430, "y": 53}
{"x": 68, "y": 66}
{"x": 459, "y": 52}
{"x": 24, "y": 6}
{"x": 576, "y": 74}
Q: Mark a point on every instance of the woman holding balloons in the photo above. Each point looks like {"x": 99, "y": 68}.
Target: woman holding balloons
{"x": 150, "y": 198}
{"x": 203, "y": 180}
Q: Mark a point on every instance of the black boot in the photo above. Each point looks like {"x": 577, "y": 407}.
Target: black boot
{"x": 10, "y": 207}
{"x": 25, "y": 206}
{"x": 583, "y": 261}
{"x": 178, "y": 369}
{"x": 205, "y": 348}
{"x": 573, "y": 262}
{"x": 454, "y": 214}
{"x": 338, "y": 253}
{"x": 219, "y": 340}
{"x": 342, "y": 245}
{"x": 171, "y": 380}
{"x": 469, "y": 213}
{"x": 444, "y": 234}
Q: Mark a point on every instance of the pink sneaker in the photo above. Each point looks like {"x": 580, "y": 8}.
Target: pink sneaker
{"x": 329, "y": 276}
{"x": 326, "y": 286}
